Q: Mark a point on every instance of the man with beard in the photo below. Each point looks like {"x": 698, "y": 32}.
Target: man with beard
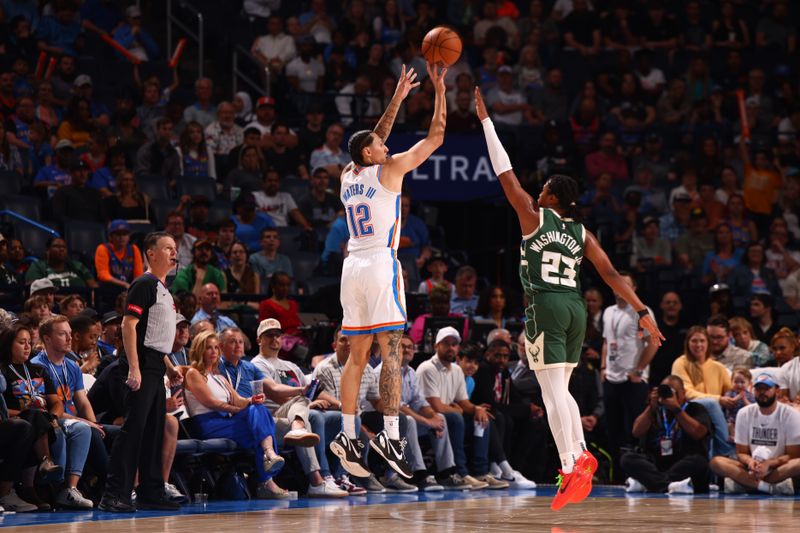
{"x": 673, "y": 326}
{"x": 767, "y": 445}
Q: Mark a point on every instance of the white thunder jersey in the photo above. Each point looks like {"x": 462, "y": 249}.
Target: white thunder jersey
{"x": 372, "y": 292}
{"x": 372, "y": 211}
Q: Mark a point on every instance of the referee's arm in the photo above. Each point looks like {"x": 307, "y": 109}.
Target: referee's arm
{"x": 134, "y": 380}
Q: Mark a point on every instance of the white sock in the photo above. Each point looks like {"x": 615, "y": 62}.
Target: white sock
{"x": 579, "y": 446}
{"x": 763, "y": 486}
{"x": 349, "y": 426}
{"x": 508, "y": 472}
{"x": 392, "y": 426}
{"x": 567, "y": 462}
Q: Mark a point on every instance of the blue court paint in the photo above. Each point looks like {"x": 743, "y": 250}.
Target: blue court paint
{"x": 220, "y": 507}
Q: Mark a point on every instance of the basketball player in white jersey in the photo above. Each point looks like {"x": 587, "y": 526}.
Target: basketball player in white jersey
{"x": 372, "y": 292}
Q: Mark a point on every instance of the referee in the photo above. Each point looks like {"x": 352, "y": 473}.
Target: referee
{"x": 148, "y": 331}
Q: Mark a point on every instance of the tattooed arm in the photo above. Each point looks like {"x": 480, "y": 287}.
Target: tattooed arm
{"x": 404, "y": 85}
{"x": 390, "y": 384}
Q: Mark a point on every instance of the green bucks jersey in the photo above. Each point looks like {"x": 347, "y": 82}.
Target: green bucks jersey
{"x": 550, "y": 257}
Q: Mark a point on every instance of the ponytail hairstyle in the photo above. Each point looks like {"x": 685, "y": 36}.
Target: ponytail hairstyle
{"x": 567, "y": 190}
{"x": 358, "y": 141}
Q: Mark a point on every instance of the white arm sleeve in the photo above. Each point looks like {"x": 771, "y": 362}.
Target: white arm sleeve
{"x": 497, "y": 154}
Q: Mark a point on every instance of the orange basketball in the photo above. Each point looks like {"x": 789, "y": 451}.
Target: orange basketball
{"x": 441, "y": 46}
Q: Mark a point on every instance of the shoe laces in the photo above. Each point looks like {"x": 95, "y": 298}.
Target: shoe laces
{"x": 559, "y": 479}
{"x": 403, "y": 443}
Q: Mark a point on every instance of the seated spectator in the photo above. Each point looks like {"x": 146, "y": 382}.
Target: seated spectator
{"x": 85, "y": 332}
{"x": 305, "y": 73}
{"x": 111, "y": 337}
{"x": 158, "y": 157}
{"x": 335, "y": 247}
{"x": 286, "y": 160}
{"x": 785, "y": 347}
{"x": 730, "y": 31}
{"x": 581, "y": 30}
{"x": 741, "y": 380}
{"x": 100, "y": 164}
{"x": 462, "y": 117}
{"x": 30, "y": 396}
{"x": 250, "y": 223}
{"x": 321, "y": 207}
{"x": 240, "y": 277}
{"x": 761, "y": 316}
{"x": 508, "y": 105}
{"x": 718, "y": 265}
{"x": 443, "y": 386}
{"x": 279, "y": 205}
{"x": 692, "y": 247}
{"x": 706, "y": 382}
{"x": 153, "y": 107}
{"x": 753, "y": 276}
{"x": 439, "y": 299}
{"x": 200, "y": 272}
{"x": 60, "y": 269}
{"x": 77, "y": 125}
{"x": 414, "y": 238}
{"x": 56, "y": 174}
{"x": 744, "y": 230}
{"x": 134, "y": 38}
{"x": 194, "y": 157}
{"x": 437, "y": 267}
{"x": 606, "y": 159}
{"x": 223, "y": 135}
{"x": 243, "y": 107}
{"x": 60, "y": 33}
{"x": 268, "y": 261}
{"x": 208, "y": 300}
{"x": 275, "y": 49}
{"x": 492, "y": 305}
{"x": 330, "y": 155}
{"x": 16, "y": 443}
{"x": 118, "y": 262}
{"x": 713, "y": 208}
{"x": 745, "y": 337}
{"x": 767, "y": 445}
{"x": 464, "y": 299}
{"x": 98, "y": 112}
{"x": 781, "y": 257}
{"x": 72, "y": 305}
{"x": 44, "y": 288}
{"x": 203, "y": 111}
{"x": 279, "y": 306}
{"x": 650, "y": 250}
{"x": 198, "y": 223}
{"x": 76, "y": 418}
{"x": 78, "y": 201}
{"x": 675, "y": 435}
{"x": 729, "y": 186}
{"x": 176, "y": 227}
{"x": 791, "y": 290}
{"x": 248, "y": 170}
{"x": 219, "y": 412}
{"x": 721, "y": 348}
{"x": 777, "y": 32}
{"x": 10, "y": 159}
{"x": 226, "y": 236}
{"x": 264, "y": 119}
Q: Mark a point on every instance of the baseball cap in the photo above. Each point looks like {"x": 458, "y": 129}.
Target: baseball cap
{"x": 697, "y": 213}
{"x": 649, "y": 220}
{"x": 505, "y": 69}
{"x": 682, "y": 197}
{"x": 111, "y": 316}
{"x": 64, "y": 143}
{"x": 765, "y": 378}
{"x": 133, "y": 11}
{"x": 202, "y": 243}
{"x": 179, "y": 319}
{"x": 449, "y": 331}
{"x": 436, "y": 257}
{"x": 498, "y": 334}
{"x": 118, "y": 226}
{"x": 43, "y": 284}
{"x": 268, "y": 325}
{"x": 265, "y": 101}
{"x": 718, "y": 287}
{"x": 81, "y": 80}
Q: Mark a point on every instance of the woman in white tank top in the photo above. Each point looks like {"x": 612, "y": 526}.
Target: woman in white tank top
{"x": 218, "y": 412}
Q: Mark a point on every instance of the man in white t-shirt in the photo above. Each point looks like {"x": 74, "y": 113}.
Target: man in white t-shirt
{"x": 789, "y": 379}
{"x": 276, "y": 48}
{"x": 767, "y": 444}
{"x": 277, "y": 204}
{"x": 624, "y": 366}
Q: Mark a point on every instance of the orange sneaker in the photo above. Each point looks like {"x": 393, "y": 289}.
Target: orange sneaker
{"x": 587, "y": 466}
{"x": 567, "y": 485}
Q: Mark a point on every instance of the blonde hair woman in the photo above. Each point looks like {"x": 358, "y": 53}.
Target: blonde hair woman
{"x": 218, "y": 412}
{"x": 706, "y": 381}
{"x": 745, "y": 337}
{"x": 785, "y": 347}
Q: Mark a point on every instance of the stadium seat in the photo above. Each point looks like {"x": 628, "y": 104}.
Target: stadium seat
{"x": 312, "y": 285}
{"x": 155, "y": 187}
{"x": 160, "y": 209}
{"x": 33, "y": 239}
{"x": 291, "y": 239}
{"x": 303, "y": 265}
{"x": 84, "y": 237}
{"x": 27, "y": 206}
{"x": 10, "y": 182}
{"x": 197, "y": 187}
{"x": 220, "y": 210}
{"x": 297, "y": 187}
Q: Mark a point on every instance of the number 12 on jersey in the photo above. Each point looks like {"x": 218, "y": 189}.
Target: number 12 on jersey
{"x": 358, "y": 218}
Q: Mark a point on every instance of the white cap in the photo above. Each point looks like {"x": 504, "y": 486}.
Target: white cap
{"x": 449, "y": 331}
{"x": 268, "y": 324}
{"x": 42, "y": 285}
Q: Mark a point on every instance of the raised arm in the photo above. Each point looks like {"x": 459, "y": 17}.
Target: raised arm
{"x": 404, "y": 86}
{"x": 521, "y": 201}
{"x": 396, "y": 167}
{"x": 595, "y": 253}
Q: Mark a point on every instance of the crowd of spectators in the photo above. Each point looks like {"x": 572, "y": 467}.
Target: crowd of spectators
{"x": 679, "y": 119}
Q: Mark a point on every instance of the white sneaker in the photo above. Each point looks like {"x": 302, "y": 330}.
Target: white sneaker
{"x": 12, "y": 502}
{"x": 72, "y": 497}
{"x": 326, "y": 489}
{"x": 681, "y": 487}
{"x": 731, "y": 487}
{"x": 519, "y": 482}
{"x": 173, "y": 494}
{"x": 494, "y": 471}
{"x": 784, "y": 488}
{"x": 633, "y": 485}
{"x": 713, "y": 487}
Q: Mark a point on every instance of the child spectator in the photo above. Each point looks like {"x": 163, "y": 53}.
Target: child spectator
{"x": 742, "y": 382}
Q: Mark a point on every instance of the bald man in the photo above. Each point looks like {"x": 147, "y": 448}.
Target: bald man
{"x": 209, "y": 303}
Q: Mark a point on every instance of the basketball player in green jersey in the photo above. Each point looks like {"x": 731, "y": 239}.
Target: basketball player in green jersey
{"x": 553, "y": 247}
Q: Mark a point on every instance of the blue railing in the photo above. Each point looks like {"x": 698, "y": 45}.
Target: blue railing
{"x": 26, "y": 220}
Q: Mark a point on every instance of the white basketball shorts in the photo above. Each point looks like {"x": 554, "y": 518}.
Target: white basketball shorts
{"x": 372, "y": 292}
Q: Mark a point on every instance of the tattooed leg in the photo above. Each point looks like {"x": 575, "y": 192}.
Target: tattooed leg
{"x": 390, "y": 385}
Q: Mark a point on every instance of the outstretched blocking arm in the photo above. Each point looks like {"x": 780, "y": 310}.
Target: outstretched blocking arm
{"x": 521, "y": 201}
{"x": 396, "y": 167}
{"x": 404, "y": 86}
{"x": 595, "y": 253}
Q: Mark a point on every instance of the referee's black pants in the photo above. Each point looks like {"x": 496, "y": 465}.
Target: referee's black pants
{"x": 140, "y": 441}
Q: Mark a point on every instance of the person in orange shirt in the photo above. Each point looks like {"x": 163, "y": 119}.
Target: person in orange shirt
{"x": 118, "y": 262}
{"x": 713, "y": 208}
{"x": 762, "y": 180}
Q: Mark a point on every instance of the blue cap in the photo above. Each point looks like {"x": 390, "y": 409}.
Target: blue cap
{"x": 765, "y": 378}
{"x": 118, "y": 225}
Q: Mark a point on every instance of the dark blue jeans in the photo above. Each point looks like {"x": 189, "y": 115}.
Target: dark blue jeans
{"x": 462, "y": 427}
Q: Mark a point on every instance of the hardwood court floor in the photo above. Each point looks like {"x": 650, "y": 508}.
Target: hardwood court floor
{"x": 608, "y": 510}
